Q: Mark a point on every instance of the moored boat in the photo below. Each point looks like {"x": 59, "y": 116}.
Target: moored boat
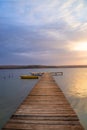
{"x": 28, "y": 77}
{"x": 37, "y": 73}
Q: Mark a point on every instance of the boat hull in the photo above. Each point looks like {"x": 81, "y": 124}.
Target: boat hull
{"x": 28, "y": 77}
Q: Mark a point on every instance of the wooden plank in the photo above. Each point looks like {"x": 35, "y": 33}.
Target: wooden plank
{"x": 45, "y": 108}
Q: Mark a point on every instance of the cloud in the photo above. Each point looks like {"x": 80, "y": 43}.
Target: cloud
{"x": 39, "y": 12}
{"x": 42, "y": 32}
{"x": 42, "y": 12}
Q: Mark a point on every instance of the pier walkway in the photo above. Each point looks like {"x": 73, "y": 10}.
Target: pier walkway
{"x": 45, "y": 108}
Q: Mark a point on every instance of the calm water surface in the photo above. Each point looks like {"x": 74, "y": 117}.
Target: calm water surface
{"x": 13, "y": 90}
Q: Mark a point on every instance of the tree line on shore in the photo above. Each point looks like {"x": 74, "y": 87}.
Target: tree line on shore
{"x": 39, "y": 66}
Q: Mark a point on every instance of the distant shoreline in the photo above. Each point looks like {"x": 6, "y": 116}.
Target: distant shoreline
{"x": 39, "y": 66}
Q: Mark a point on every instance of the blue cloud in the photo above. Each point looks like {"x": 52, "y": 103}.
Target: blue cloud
{"x": 41, "y": 32}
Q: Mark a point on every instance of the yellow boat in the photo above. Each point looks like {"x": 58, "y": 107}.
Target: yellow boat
{"x": 28, "y": 77}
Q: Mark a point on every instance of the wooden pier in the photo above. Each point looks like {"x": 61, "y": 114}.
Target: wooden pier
{"x": 45, "y": 108}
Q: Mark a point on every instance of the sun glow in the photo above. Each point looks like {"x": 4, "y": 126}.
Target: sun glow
{"x": 81, "y": 46}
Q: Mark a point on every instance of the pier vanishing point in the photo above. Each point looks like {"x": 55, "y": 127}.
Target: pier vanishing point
{"x": 45, "y": 108}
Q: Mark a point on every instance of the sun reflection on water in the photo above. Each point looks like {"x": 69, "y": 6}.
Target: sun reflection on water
{"x": 79, "y": 85}
{"x": 74, "y": 86}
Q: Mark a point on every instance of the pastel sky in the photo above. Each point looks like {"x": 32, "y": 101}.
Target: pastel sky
{"x": 46, "y": 32}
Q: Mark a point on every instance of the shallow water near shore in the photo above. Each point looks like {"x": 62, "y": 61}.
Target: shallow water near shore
{"x": 13, "y": 90}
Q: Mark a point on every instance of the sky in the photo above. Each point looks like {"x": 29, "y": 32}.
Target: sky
{"x": 43, "y": 32}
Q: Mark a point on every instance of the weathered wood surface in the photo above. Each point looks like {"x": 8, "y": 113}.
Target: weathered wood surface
{"x": 45, "y": 108}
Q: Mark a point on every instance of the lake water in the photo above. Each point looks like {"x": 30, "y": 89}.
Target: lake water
{"x": 13, "y": 90}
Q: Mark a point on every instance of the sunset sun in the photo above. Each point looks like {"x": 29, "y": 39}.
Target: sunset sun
{"x": 81, "y": 46}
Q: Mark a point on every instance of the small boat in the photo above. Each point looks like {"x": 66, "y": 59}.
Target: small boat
{"x": 57, "y": 73}
{"x": 37, "y": 73}
{"x": 28, "y": 77}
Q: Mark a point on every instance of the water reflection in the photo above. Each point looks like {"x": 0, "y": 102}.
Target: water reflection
{"x": 74, "y": 85}
{"x": 79, "y": 86}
